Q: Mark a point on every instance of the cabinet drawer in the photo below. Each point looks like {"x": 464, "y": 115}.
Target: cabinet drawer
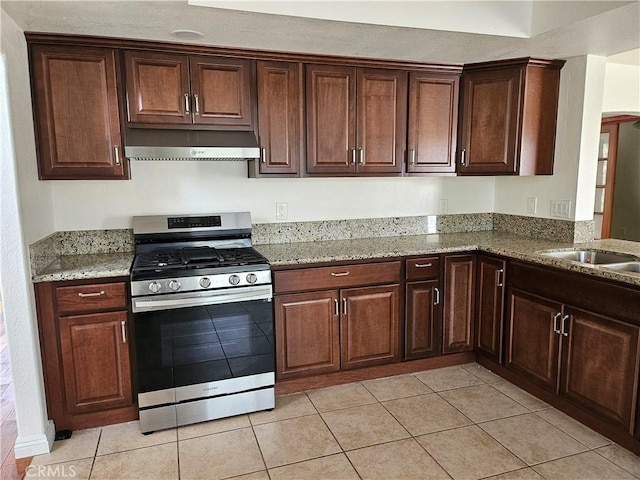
{"x": 91, "y": 297}
{"x": 336, "y": 277}
{"x": 422, "y": 268}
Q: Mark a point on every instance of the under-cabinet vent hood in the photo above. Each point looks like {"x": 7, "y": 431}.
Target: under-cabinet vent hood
{"x": 158, "y": 144}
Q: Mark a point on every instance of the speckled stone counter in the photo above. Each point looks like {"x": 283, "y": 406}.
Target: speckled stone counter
{"x": 508, "y": 245}
{"x": 94, "y": 265}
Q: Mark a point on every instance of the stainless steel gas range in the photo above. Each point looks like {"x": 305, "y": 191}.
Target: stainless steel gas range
{"x": 203, "y": 320}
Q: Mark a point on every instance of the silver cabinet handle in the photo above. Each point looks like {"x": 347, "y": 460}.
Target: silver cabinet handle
{"x": 344, "y": 306}
{"x": 264, "y": 155}
{"x": 463, "y": 157}
{"x": 500, "y": 277}
{"x": 123, "y": 326}
{"x": 336, "y": 308}
{"x": 565, "y": 333}
{"x": 92, "y": 294}
{"x": 186, "y": 104}
{"x": 116, "y": 154}
{"x": 437, "y": 302}
{"x": 353, "y": 156}
{"x": 361, "y": 156}
{"x": 341, "y": 274}
{"x": 423, "y": 265}
{"x": 556, "y": 326}
{"x": 412, "y": 160}
{"x": 197, "y": 102}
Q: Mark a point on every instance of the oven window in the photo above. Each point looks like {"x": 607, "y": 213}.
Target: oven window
{"x": 194, "y": 345}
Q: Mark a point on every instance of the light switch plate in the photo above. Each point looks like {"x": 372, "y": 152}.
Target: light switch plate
{"x": 532, "y": 205}
{"x": 561, "y": 208}
{"x": 282, "y": 210}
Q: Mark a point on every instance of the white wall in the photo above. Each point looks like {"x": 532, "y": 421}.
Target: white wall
{"x": 26, "y": 214}
{"x": 577, "y": 136}
{"x": 622, "y": 89}
{"x": 197, "y": 187}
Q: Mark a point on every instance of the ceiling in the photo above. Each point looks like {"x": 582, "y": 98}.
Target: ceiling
{"x": 566, "y": 29}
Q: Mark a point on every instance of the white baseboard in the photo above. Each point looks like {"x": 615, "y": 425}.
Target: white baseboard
{"x": 36, "y": 444}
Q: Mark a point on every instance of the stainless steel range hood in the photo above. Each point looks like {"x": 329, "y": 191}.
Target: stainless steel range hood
{"x": 158, "y": 144}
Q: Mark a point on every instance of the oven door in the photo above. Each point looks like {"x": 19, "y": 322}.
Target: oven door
{"x": 177, "y": 347}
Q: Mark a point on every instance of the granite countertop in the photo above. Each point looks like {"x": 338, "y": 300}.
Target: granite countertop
{"x": 83, "y": 266}
{"x": 508, "y": 245}
{"x": 74, "y": 267}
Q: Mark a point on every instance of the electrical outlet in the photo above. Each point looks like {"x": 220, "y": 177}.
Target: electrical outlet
{"x": 532, "y": 205}
{"x": 561, "y": 208}
{"x": 282, "y": 209}
{"x": 443, "y": 205}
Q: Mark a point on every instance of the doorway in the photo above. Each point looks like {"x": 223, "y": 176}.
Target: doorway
{"x": 617, "y": 198}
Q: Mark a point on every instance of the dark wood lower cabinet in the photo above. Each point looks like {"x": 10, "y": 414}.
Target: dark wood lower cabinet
{"x": 490, "y": 306}
{"x": 95, "y": 361}
{"x": 459, "y": 303}
{"x": 369, "y": 326}
{"x": 423, "y": 327}
{"x": 83, "y": 327}
{"x": 307, "y": 334}
{"x": 600, "y": 365}
{"x": 533, "y": 346}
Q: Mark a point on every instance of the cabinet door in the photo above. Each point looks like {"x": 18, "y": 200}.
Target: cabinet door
{"x": 222, "y": 90}
{"x": 95, "y": 361}
{"x": 381, "y": 120}
{"x": 331, "y": 136}
{"x": 533, "y": 341}
{"x": 433, "y": 123}
{"x": 600, "y": 365}
{"x": 423, "y": 334}
{"x": 75, "y": 91}
{"x": 307, "y": 335}
{"x": 280, "y": 93}
{"x": 158, "y": 88}
{"x": 369, "y": 326}
{"x": 490, "y": 311}
{"x": 490, "y": 121}
{"x": 459, "y": 275}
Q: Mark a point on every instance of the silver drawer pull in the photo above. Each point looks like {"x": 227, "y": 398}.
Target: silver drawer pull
{"x": 336, "y": 308}
{"x": 437, "y": 292}
{"x": 197, "y": 102}
{"x": 341, "y": 274}
{"x": 423, "y": 265}
{"x": 563, "y": 328}
{"x": 116, "y": 154}
{"x": 93, "y": 294}
{"x": 556, "y": 325}
{"x": 123, "y": 326}
{"x": 186, "y": 104}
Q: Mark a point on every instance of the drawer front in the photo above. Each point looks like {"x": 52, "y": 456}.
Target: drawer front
{"x": 92, "y": 297}
{"x": 422, "y": 268}
{"x": 304, "y": 279}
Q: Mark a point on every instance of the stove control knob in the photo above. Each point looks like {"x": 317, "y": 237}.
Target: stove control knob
{"x": 205, "y": 282}
{"x": 234, "y": 279}
{"x": 174, "y": 285}
{"x": 155, "y": 287}
{"x": 252, "y": 278}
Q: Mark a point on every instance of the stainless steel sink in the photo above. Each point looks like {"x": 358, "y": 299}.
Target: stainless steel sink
{"x": 633, "y": 267}
{"x": 593, "y": 257}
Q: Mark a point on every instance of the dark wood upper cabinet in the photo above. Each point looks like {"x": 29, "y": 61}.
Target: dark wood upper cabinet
{"x": 280, "y": 117}
{"x": 356, "y": 120}
{"x": 331, "y": 115}
{"x": 174, "y": 89}
{"x": 76, "y": 113}
{"x": 433, "y": 122}
{"x": 508, "y": 117}
{"x": 381, "y": 98}
{"x": 459, "y": 303}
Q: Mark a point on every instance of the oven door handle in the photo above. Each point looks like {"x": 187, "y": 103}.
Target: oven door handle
{"x": 195, "y": 299}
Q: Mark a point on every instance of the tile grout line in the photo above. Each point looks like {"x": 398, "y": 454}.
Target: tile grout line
{"x": 617, "y": 464}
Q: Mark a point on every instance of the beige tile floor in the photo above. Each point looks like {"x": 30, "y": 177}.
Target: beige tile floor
{"x": 456, "y": 423}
